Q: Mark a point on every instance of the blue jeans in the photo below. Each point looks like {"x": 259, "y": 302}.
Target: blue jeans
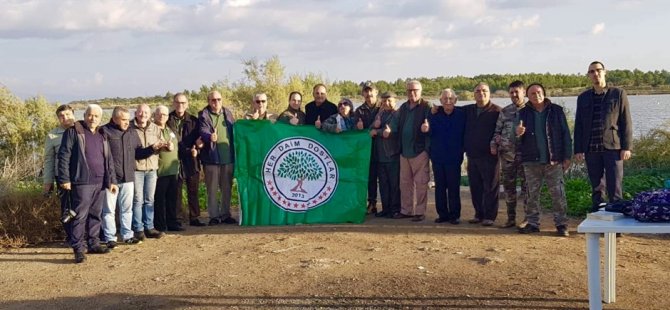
{"x": 143, "y": 200}
{"x": 122, "y": 199}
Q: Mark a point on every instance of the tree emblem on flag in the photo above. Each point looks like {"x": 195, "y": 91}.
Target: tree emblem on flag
{"x": 299, "y": 174}
{"x": 299, "y": 166}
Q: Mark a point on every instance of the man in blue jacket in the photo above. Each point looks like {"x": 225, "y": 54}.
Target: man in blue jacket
{"x": 216, "y": 131}
{"x": 447, "y": 128}
{"x": 85, "y": 167}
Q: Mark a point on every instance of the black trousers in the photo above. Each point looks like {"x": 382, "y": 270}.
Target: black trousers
{"x": 605, "y": 170}
{"x": 165, "y": 202}
{"x": 447, "y": 191}
{"x": 192, "y": 183}
{"x": 87, "y": 200}
{"x": 484, "y": 178}
{"x": 389, "y": 185}
{"x": 372, "y": 181}
{"x": 65, "y": 203}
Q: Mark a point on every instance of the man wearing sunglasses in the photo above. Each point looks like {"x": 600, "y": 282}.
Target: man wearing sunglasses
{"x": 259, "y": 108}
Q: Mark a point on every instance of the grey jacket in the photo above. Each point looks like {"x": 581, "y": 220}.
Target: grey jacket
{"x": 148, "y": 136}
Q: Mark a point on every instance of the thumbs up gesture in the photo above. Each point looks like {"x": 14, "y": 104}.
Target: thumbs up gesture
{"x": 317, "y": 124}
{"x": 359, "y": 125}
{"x": 387, "y": 131}
{"x": 378, "y": 122}
{"x": 215, "y": 136}
{"x": 520, "y": 130}
{"x": 425, "y": 126}
{"x": 194, "y": 151}
{"x": 294, "y": 120}
{"x": 256, "y": 114}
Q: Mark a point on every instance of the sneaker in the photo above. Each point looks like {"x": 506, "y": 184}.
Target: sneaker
{"x": 197, "y": 223}
{"x": 214, "y": 221}
{"x": 229, "y": 220}
{"x": 487, "y": 223}
{"x": 98, "y": 250}
{"x": 79, "y": 257}
{"x": 139, "y": 235}
{"x": 475, "y": 221}
{"x": 562, "y": 231}
{"x": 529, "y": 229}
{"x": 153, "y": 233}
{"x": 455, "y": 221}
{"x": 132, "y": 240}
{"x": 111, "y": 244}
{"x": 508, "y": 224}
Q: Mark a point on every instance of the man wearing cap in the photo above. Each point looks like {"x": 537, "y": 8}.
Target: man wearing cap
{"x": 446, "y": 154}
{"x": 386, "y": 150}
{"x": 365, "y": 115}
{"x": 412, "y": 127}
{"x": 320, "y": 109}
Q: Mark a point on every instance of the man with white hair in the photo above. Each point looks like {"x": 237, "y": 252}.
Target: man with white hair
{"x": 145, "y": 176}
{"x": 259, "y": 109}
{"x": 85, "y": 167}
{"x": 168, "y": 168}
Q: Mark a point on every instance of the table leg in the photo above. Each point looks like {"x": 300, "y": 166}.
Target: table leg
{"x": 593, "y": 270}
{"x": 610, "y": 268}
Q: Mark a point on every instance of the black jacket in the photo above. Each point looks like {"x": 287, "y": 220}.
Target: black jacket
{"x": 558, "y": 134}
{"x": 618, "y": 126}
{"x": 72, "y": 165}
{"x": 126, "y": 147}
{"x": 188, "y": 165}
{"x": 479, "y": 130}
{"x": 326, "y": 109}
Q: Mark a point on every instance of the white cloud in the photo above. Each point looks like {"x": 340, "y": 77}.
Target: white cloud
{"x": 499, "y": 43}
{"x": 521, "y": 22}
{"x": 226, "y": 48}
{"x": 42, "y": 18}
{"x": 598, "y": 28}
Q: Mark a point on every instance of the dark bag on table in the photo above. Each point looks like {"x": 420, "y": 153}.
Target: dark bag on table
{"x": 652, "y": 206}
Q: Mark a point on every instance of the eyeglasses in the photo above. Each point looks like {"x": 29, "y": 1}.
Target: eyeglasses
{"x": 261, "y": 101}
{"x": 215, "y": 99}
{"x": 592, "y": 71}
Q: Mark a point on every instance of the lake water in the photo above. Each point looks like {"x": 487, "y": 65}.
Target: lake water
{"x": 647, "y": 111}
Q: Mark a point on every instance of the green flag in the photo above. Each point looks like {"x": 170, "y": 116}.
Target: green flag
{"x": 297, "y": 174}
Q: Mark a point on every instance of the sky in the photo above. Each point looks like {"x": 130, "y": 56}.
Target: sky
{"x": 71, "y": 50}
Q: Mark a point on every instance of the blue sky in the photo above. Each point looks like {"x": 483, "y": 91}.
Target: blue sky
{"x": 68, "y": 50}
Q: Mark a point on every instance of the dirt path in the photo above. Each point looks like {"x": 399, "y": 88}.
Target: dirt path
{"x": 383, "y": 263}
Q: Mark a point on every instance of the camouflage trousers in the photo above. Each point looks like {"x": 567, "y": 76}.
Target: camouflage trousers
{"x": 511, "y": 171}
{"x": 536, "y": 174}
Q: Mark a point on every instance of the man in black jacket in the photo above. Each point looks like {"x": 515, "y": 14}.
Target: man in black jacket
{"x": 546, "y": 149}
{"x": 125, "y": 147}
{"x": 85, "y": 167}
{"x": 603, "y": 135}
{"x": 185, "y": 126}
{"x": 483, "y": 167}
{"x": 320, "y": 109}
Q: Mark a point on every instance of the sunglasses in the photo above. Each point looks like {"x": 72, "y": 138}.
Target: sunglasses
{"x": 261, "y": 101}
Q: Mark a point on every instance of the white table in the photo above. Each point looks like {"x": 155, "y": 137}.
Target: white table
{"x": 593, "y": 229}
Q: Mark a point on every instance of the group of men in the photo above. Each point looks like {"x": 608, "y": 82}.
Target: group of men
{"x": 139, "y": 167}
{"x": 98, "y": 168}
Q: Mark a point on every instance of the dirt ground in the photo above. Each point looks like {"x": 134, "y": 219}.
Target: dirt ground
{"x": 383, "y": 263}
